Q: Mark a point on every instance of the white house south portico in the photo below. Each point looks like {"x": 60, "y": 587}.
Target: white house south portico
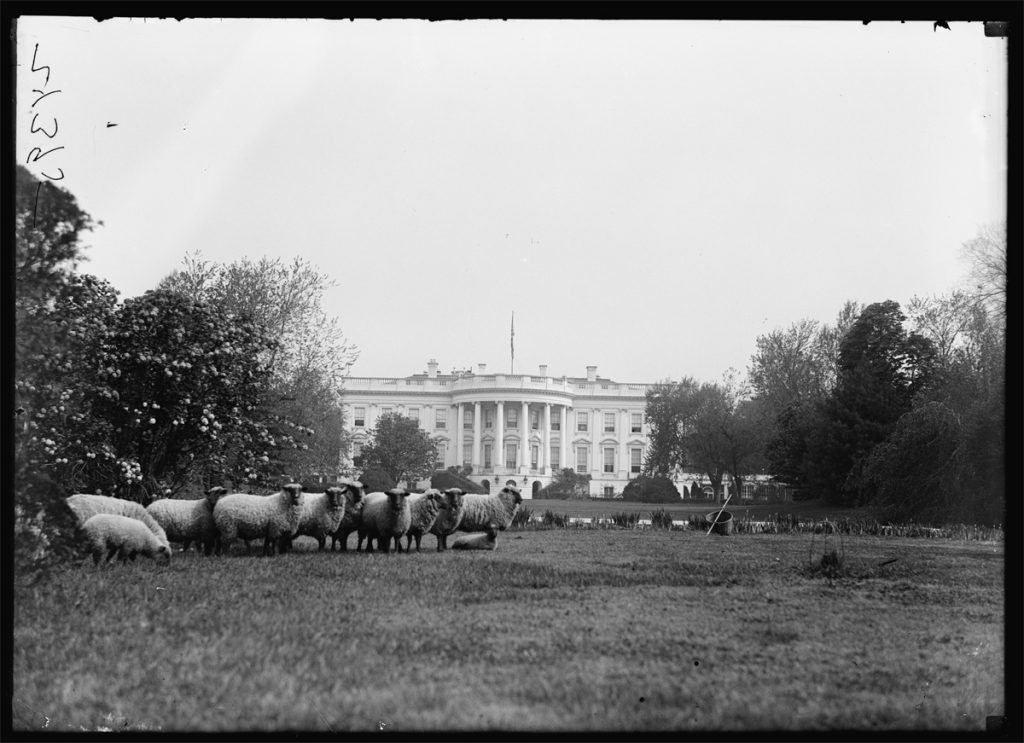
{"x": 514, "y": 426}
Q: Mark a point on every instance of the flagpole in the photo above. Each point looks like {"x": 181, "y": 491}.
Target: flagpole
{"x": 512, "y": 344}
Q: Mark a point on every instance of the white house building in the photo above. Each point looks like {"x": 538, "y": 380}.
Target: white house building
{"x": 514, "y": 427}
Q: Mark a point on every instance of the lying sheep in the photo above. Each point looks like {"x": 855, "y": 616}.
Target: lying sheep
{"x": 477, "y": 541}
{"x": 386, "y": 516}
{"x": 481, "y": 510}
{"x": 424, "y": 509}
{"x": 266, "y": 517}
{"x": 353, "y": 514}
{"x": 321, "y": 515}
{"x": 86, "y": 505}
{"x": 448, "y": 519}
{"x": 110, "y": 534}
{"x": 188, "y": 521}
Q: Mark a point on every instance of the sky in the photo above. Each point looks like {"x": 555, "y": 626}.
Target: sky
{"x": 646, "y": 196}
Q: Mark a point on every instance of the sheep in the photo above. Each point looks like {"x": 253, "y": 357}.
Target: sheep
{"x": 450, "y": 518}
{"x": 86, "y": 505}
{"x": 425, "y": 508}
{"x": 385, "y": 516}
{"x": 477, "y": 540}
{"x": 353, "y": 514}
{"x": 110, "y": 534}
{"x": 481, "y": 510}
{"x": 321, "y": 515}
{"x": 188, "y": 521}
{"x": 245, "y": 516}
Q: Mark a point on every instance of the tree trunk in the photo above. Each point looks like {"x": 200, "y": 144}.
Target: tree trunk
{"x": 716, "y": 485}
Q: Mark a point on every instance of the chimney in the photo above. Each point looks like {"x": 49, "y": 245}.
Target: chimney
{"x": 543, "y": 370}
{"x": 481, "y": 368}
{"x": 432, "y": 368}
{"x": 591, "y": 373}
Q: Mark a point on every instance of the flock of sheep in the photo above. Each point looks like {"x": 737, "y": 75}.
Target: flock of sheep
{"x": 117, "y": 527}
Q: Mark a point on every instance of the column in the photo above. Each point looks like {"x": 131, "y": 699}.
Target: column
{"x": 498, "y": 459}
{"x": 545, "y": 449}
{"x": 460, "y": 436}
{"x": 622, "y": 432}
{"x": 563, "y": 457}
{"x": 476, "y": 437}
{"x": 371, "y": 416}
{"x": 596, "y": 451}
{"x": 524, "y": 440}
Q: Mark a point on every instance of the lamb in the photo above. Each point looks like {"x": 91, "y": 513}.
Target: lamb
{"x": 110, "y": 534}
{"x": 425, "y": 508}
{"x": 353, "y": 513}
{"x": 385, "y": 516}
{"x": 481, "y": 510}
{"x": 86, "y": 505}
{"x": 321, "y": 515}
{"x": 188, "y": 521}
{"x": 267, "y": 517}
{"x": 449, "y": 519}
{"x": 477, "y": 541}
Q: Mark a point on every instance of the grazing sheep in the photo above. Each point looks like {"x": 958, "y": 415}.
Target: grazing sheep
{"x": 386, "y": 516}
{"x": 266, "y": 517}
{"x": 110, "y": 534}
{"x": 86, "y": 505}
{"x": 424, "y": 508}
{"x": 481, "y": 510}
{"x": 449, "y": 518}
{"x": 353, "y": 513}
{"x": 188, "y": 521}
{"x": 477, "y": 540}
{"x": 321, "y": 515}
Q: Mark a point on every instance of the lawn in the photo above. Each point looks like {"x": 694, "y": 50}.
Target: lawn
{"x": 682, "y": 510}
{"x": 579, "y": 629}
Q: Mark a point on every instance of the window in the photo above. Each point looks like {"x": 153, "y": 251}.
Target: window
{"x": 581, "y": 421}
{"x": 467, "y": 420}
{"x": 360, "y": 416}
{"x": 554, "y": 458}
{"x": 441, "y": 418}
{"x": 413, "y": 413}
{"x": 581, "y": 460}
{"x": 440, "y": 455}
{"x": 357, "y": 450}
{"x": 609, "y": 422}
{"x": 609, "y": 459}
{"x": 556, "y": 424}
{"x": 487, "y": 456}
{"x": 636, "y": 422}
{"x": 467, "y": 455}
{"x": 512, "y": 418}
{"x": 535, "y": 420}
{"x": 634, "y": 460}
{"x": 385, "y": 411}
{"x": 488, "y": 419}
{"x": 609, "y": 491}
{"x": 534, "y": 456}
{"x": 510, "y": 456}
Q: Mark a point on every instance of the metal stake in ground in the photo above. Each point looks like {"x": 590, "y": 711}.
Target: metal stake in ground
{"x": 719, "y": 514}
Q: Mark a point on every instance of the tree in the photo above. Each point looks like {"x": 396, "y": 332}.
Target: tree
{"x": 399, "y": 448}
{"x": 566, "y": 483}
{"x": 669, "y": 411}
{"x": 986, "y": 258}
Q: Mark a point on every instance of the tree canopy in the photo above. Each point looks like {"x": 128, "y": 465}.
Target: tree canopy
{"x": 400, "y": 448}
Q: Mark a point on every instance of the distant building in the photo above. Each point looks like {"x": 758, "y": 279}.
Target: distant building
{"x": 514, "y": 427}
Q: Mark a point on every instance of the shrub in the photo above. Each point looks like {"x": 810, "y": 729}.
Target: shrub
{"x": 629, "y": 520}
{"x": 651, "y": 490}
{"x": 566, "y": 484}
{"x": 376, "y": 480}
{"x": 521, "y": 518}
{"x": 442, "y": 480}
{"x": 550, "y": 518}
{"x": 661, "y": 519}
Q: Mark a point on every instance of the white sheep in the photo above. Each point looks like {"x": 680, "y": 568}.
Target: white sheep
{"x": 481, "y": 510}
{"x": 266, "y": 517}
{"x": 321, "y": 515}
{"x": 188, "y": 521}
{"x": 353, "y": 513}
{"x": 477, "y": 541}
{"x": 110, "y": 534}
{"x": 386, "y": 516}
{"x": 87, "y": 505}
{"x": 448, "y": 519}
{"x": 424, "y": 510}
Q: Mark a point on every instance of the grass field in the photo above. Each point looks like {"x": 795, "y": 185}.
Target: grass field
{"x": 605, "y": 508}
{"x": 555, "y": 630}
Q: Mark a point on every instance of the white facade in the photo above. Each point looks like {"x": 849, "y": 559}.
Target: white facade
{"x": 514, "y": 426}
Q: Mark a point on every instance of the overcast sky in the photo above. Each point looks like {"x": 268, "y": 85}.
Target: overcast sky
{"x": 648, "y": 197}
